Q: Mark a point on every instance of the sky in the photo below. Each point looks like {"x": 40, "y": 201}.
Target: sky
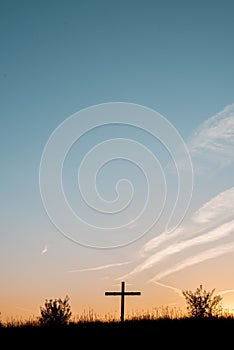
{"x": 117, "y": 153}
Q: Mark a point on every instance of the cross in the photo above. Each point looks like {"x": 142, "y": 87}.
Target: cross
{"x": 122, "y": 293}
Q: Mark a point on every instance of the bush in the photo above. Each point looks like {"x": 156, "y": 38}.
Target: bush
{"x": 55, "y": 312}
{"x": 202, "y": 303}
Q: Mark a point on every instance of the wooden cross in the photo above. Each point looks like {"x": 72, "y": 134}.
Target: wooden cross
{"x": 122, "y": 293}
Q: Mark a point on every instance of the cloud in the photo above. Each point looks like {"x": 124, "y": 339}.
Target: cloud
{"x": 157, "y": 241}
{"x": 222, "y": 292}
{"x": 210, "y": 214}
{"x": 212, "y": 142}
{"x": 213, "y": 235}
{"x": 205, "y": 225}
{"x": 214, "y": 139}
{"x": 180, "y": 292}
{"x": 196, "y": 259}
{"x": 44, "y": 250}
{"x": 174, "y": 289}
{"x": 219, "y": 207}
{"x": 102, "y": 267}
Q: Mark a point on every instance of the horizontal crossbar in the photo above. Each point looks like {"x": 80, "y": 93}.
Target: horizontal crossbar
{"x": 120, "y": 293}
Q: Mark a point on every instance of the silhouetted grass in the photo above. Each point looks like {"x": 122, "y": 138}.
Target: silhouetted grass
{"x": 166, "y": 326}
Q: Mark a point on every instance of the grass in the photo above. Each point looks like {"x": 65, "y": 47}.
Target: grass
{"x": 162, "y": 325}
{"x": 90, "y": 316}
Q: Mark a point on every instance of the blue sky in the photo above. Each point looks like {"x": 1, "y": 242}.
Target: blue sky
{"x": 59, "y": 57}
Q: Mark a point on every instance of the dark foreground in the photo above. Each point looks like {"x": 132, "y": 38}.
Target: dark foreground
{"x": 156, "y": 334}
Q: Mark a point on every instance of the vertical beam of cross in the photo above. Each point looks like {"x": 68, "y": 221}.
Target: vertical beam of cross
{"x": 122, "y": 294}
{"x": 122, "y": 301}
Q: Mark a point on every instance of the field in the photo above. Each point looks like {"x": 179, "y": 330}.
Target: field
{"x": 163, "y": 333}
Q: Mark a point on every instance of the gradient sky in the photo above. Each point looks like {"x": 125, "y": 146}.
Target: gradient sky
{"x": 59, "y": 57}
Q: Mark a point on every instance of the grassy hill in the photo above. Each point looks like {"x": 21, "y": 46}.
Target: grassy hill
{"x": 164, "y": 333}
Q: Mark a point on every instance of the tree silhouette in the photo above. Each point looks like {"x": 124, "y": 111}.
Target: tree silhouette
{"x": 202, "y": 303}
{"x": 55, "y": 312}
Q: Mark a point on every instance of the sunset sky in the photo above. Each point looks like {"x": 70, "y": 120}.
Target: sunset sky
{"x": 136, "y": 90}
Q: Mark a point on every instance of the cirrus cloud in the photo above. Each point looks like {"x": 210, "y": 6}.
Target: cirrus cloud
{"x": 212, "y": 142}
{"x": 214, "y": 139}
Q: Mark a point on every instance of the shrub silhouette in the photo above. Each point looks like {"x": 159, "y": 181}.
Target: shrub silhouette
{"x": 55, "y": 312}
{"x": 202, "y": 303}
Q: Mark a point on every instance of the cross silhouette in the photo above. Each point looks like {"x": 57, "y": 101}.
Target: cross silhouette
{"x": 122, "y": 294}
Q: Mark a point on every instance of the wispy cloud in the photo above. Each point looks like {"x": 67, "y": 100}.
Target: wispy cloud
{"x": 212, "y": 142}
{"x": 218, "y": 208}
{"x": 222, "y": 292}
{"x": 174, "y": 289}
{"x": 205, "y": 225}
{"x": 44, "y": 250}
{"x": 214, "y": 139}
{"x": 180, "y": 291}
{"x": 215, "y": 234}
{"x": 102, "y": 267}
{"x": 162, "y": 238}
{"x": 210, "y": 214}
{"x": 196, "y": 259}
